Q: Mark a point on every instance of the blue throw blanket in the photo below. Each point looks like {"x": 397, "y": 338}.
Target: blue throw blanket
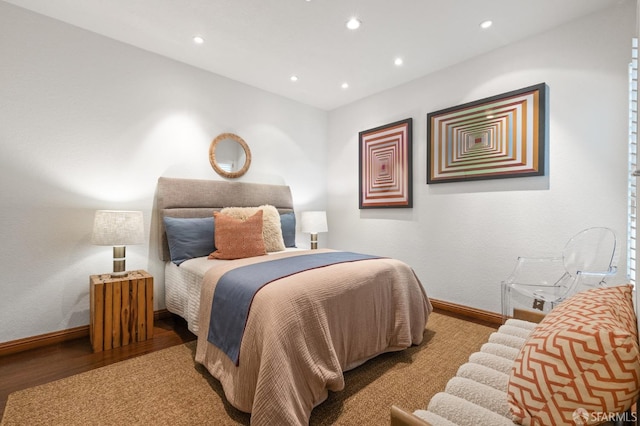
{"x": 235, "y": 291}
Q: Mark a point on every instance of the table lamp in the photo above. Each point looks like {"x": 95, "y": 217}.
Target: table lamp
{"x": 118, "y": 229}
{"x": 312, "y": 223}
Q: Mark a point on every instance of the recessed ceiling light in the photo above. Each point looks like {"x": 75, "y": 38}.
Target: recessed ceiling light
{"x": 294, "y": 78}
{"x": 398, "y": 61}
{"x": 345, "y": 85}
{"x": 485, "y": 24}
{"x": 198, "y": 40}
{"x": 353, "y": 23}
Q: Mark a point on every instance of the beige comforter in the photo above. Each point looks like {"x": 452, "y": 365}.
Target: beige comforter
{"x": 303, "y": 331}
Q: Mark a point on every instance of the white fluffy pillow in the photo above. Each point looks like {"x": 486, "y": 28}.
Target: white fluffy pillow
{"x": 271, "y": 228}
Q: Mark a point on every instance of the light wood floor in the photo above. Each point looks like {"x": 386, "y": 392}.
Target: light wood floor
{"x": 42, "y": 365}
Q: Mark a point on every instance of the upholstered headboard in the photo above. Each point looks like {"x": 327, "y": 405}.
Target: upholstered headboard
{"x": 200, "y": 198}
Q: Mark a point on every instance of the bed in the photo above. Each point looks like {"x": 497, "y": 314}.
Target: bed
{"x": 303, "y": 329}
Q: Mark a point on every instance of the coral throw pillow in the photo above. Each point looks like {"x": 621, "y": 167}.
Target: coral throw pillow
{"x": 237, "y": 238}
{"x": 580, "y": 362}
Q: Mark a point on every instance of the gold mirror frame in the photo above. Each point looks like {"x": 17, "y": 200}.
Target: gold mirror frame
{"x": 214, "y": 163}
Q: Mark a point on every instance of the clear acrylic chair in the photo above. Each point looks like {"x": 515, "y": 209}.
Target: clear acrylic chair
{"x": 537, "y": 285}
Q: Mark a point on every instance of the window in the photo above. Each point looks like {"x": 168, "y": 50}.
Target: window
{"x": 633, "y": 164}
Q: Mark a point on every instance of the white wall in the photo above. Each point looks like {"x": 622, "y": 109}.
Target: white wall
{"x": 88, "y": 123}
{"x": 462, "y": 238}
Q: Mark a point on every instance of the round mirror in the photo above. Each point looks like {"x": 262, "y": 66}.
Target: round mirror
{"x": 229, "y": 155}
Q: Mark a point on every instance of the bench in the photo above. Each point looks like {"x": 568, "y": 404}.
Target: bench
{"x": 501, "y": 384}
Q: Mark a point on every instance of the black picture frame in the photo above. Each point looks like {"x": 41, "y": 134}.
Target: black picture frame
{"x": 503, "y": 136}
{"x": 386, "y": 166}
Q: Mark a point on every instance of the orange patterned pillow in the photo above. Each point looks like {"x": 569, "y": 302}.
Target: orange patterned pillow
{"x": 581, "y": 360}
{"x": 236, "y": 238}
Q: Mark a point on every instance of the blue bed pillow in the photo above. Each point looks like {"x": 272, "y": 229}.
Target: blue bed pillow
{"x": 288, "y": 224}
{"x": 189, "y": 237}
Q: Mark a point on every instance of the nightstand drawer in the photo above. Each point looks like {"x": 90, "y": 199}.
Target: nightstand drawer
{"x": 121, "y": 309}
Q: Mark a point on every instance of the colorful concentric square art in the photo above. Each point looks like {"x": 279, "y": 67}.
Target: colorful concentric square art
{"x": 385, "y": 166}
{"x": 498, "y": 137}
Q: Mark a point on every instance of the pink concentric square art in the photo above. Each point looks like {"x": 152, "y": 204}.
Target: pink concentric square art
{"x": 385, "y": 166}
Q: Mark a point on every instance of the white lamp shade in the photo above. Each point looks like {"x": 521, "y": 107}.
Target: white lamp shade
{"x": 117, "y": 228}
{"x": 314, "y": 222}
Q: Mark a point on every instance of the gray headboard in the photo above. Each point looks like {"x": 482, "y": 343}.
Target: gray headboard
{"x": 200, "y": 198}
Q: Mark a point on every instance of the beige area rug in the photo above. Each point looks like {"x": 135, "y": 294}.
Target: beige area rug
{"x": 168, "y": 387}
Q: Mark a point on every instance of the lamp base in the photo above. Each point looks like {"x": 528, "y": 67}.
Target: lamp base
{"x": 314, "y": 241}
{"x": 119, "y": 262}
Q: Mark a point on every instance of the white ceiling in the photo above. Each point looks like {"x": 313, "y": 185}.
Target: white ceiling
{"x": 263, "y": 42}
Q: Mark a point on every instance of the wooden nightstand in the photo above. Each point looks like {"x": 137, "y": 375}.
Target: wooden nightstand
{"x": 121, "y": 309}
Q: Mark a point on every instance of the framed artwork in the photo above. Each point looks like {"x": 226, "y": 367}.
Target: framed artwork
{"x": 386, "y": 165}
{"x": 498, "y": 137}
